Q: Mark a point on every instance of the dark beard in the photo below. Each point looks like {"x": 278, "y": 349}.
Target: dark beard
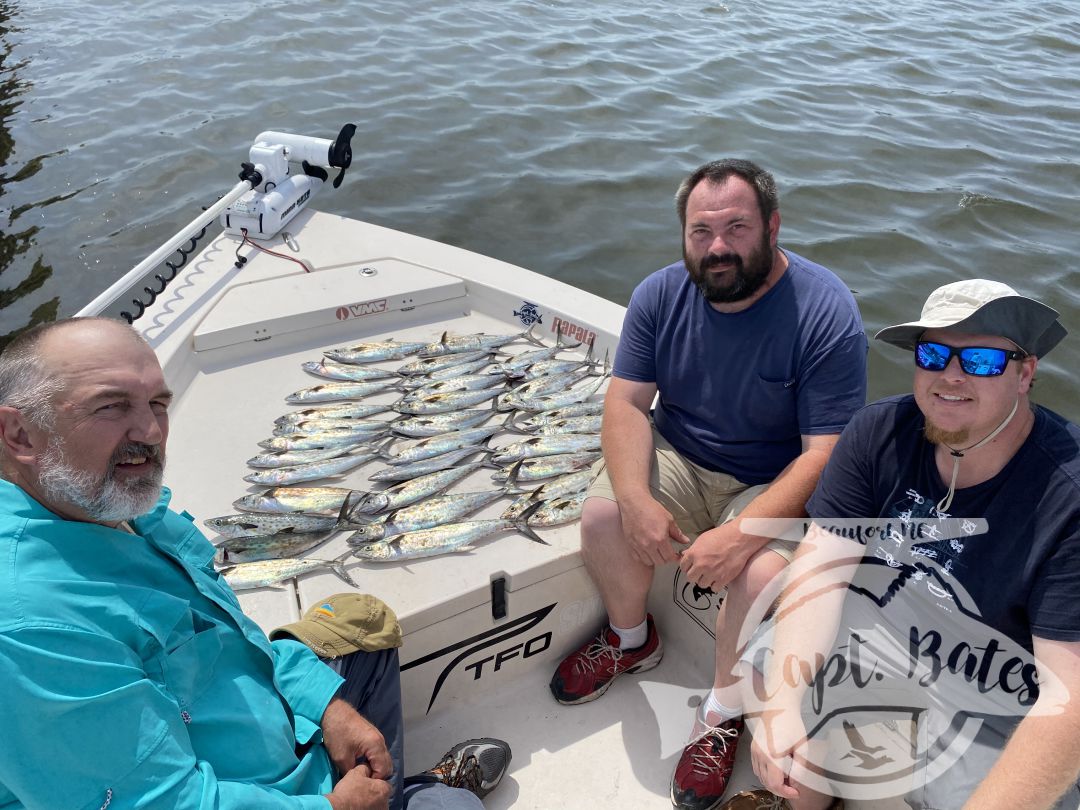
{"x": 745, "y": 279}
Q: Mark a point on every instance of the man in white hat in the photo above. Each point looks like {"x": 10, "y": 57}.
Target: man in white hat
{"x": 947, "y": 528}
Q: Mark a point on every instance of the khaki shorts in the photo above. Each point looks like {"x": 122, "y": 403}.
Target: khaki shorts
{"x": 698, "y": 498}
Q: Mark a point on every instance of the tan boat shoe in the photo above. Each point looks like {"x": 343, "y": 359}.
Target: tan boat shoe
{"x": 764, "y": 800}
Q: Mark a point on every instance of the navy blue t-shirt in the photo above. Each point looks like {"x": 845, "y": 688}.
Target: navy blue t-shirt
{"x": 1022, "y": 576}
{"x": 738, "y": 390}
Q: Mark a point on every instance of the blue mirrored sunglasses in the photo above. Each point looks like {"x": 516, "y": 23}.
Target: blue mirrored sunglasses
{"x": 978, "y": 361}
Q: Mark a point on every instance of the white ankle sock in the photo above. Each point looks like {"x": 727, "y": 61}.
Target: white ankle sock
{"x": 632, "y": 637}
{"x": 716, "y": 712}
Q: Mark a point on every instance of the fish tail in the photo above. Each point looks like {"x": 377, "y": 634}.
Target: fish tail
{"x": 337, "y": 565}
{"x": 533, "y": 339}
{"x": 588, "y": 354}
{"x": 522, "y": 524}
{"x": 384, "y": 449}
{"x": 339, "y": 569}
{"x": 354, "y": 502}
{"x": 511, "y": 478}
{"x": 561, "y": 342}
{"x": 508, "y": 423}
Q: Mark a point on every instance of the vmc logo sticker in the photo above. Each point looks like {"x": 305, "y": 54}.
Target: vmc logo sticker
{"x": 358, "y": 310}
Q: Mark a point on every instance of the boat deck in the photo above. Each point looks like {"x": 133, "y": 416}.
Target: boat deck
{"x": 231, "y": 342}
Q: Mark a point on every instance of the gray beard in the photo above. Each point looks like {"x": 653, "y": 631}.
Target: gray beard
{"x": 104, "y": 499}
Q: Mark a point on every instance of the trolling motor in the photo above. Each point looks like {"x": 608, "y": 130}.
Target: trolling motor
{"x": 276, "y": 194}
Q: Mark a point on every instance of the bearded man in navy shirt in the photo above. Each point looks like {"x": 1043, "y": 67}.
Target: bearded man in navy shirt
{"x": 759, "y": 359}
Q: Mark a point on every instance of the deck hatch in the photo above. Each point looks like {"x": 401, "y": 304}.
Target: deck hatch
{"x": 340, "y": 295}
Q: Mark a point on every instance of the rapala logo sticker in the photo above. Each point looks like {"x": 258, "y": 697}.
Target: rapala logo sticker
{"x": 485, "y": 654}
{"x": 528, "y": 314}
{"x": 356, "y": 310}
{"x": 573, "y": 331}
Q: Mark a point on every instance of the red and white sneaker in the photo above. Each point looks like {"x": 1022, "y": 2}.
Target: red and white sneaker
{"x": 702, "y": 775}
{"x": 587, "y": 672}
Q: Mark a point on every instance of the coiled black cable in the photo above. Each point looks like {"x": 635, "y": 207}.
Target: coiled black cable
{"x": 163, "y": 281}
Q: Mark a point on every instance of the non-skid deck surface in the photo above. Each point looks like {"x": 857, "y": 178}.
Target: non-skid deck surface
{"x": 616, "y": 752}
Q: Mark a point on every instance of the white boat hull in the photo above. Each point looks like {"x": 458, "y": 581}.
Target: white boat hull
{"x": 231, "y": 342}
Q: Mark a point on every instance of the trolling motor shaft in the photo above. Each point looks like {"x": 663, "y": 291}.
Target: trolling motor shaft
{"x": 277, "y": 194}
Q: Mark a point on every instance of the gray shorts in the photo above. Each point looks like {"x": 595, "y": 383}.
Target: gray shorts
{"x": 699, "y": 499}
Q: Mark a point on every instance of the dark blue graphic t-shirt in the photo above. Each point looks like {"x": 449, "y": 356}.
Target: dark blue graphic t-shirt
{"x": 1010, "y": 554}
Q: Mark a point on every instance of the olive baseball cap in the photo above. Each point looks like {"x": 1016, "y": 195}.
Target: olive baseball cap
{"x": 345, "y": 623}
{"x": 982, "y": 307}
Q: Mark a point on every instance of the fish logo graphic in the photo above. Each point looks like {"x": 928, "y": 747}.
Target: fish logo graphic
{"x": 528, "y": 314}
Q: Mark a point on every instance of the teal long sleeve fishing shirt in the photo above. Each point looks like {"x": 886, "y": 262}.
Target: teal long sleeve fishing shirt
{"x": 131, "y": 677}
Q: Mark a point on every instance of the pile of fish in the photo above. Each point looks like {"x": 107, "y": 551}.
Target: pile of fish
{"x": 456, "y": 395}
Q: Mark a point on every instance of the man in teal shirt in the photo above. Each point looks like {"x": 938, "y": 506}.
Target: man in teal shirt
{"x": 131, "y": 676}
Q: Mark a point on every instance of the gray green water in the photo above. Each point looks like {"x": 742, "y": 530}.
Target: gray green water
{"x": 915, "y": 142}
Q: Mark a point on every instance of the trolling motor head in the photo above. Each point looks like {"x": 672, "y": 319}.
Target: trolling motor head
{"x": 277, "y": 194}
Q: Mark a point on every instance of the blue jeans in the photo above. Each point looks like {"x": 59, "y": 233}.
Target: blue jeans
{"x": 373, "y": 687}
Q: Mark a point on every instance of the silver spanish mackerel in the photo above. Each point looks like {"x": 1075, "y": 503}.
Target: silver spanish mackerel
{"x": 370, "y": 427}
{"x": 253, "y": 524}
{"x": 441, "y": 539}
{"x": 290, "y": 458}
{"x": 338, "y": 391}
{"x": 549, "y": 402}
{"x": 569, "y": 484}
{"x": 449, "y": 401}
{"x": 449, "y": 373}
{"x": 329, "y": 370}
{"x": 568, "y": 412}
{"x": 374, "y": 352}
{"x": 419, "y": 427}
{"x": 556, "y": 512}
{"x": 424, "y": 515}
{"x": 541, "y": 385}
{"x": 313, "y": 471}
{"x": 343, "y": 437}
{"x": 411, "y": 491}
{"x": 245, "y": 576}
{"x": 406, "y": 472}
{"x": 520, "y": 362}
{"x": 420, "y": 449}
{"x": 268, "y": 547}
{"x": 429, "y": 365}
{"x": 575, "y": 424}
{"x": 455, "y": 344}
{"x": 466, "y": 382}
{"x": 312, "y": 500}
{"x": 339, "y": 410}
{"x": 534, "y": 469}
{"x": 536, "y": 446}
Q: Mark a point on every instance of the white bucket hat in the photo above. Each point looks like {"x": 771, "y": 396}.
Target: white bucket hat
{"x": 981, "y": 307}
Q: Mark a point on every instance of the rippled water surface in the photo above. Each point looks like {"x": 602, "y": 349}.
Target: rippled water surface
{"x": 915, "y": 143}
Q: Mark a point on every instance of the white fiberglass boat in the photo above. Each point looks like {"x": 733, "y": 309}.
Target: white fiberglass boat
{"x": 484, "y": 628}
